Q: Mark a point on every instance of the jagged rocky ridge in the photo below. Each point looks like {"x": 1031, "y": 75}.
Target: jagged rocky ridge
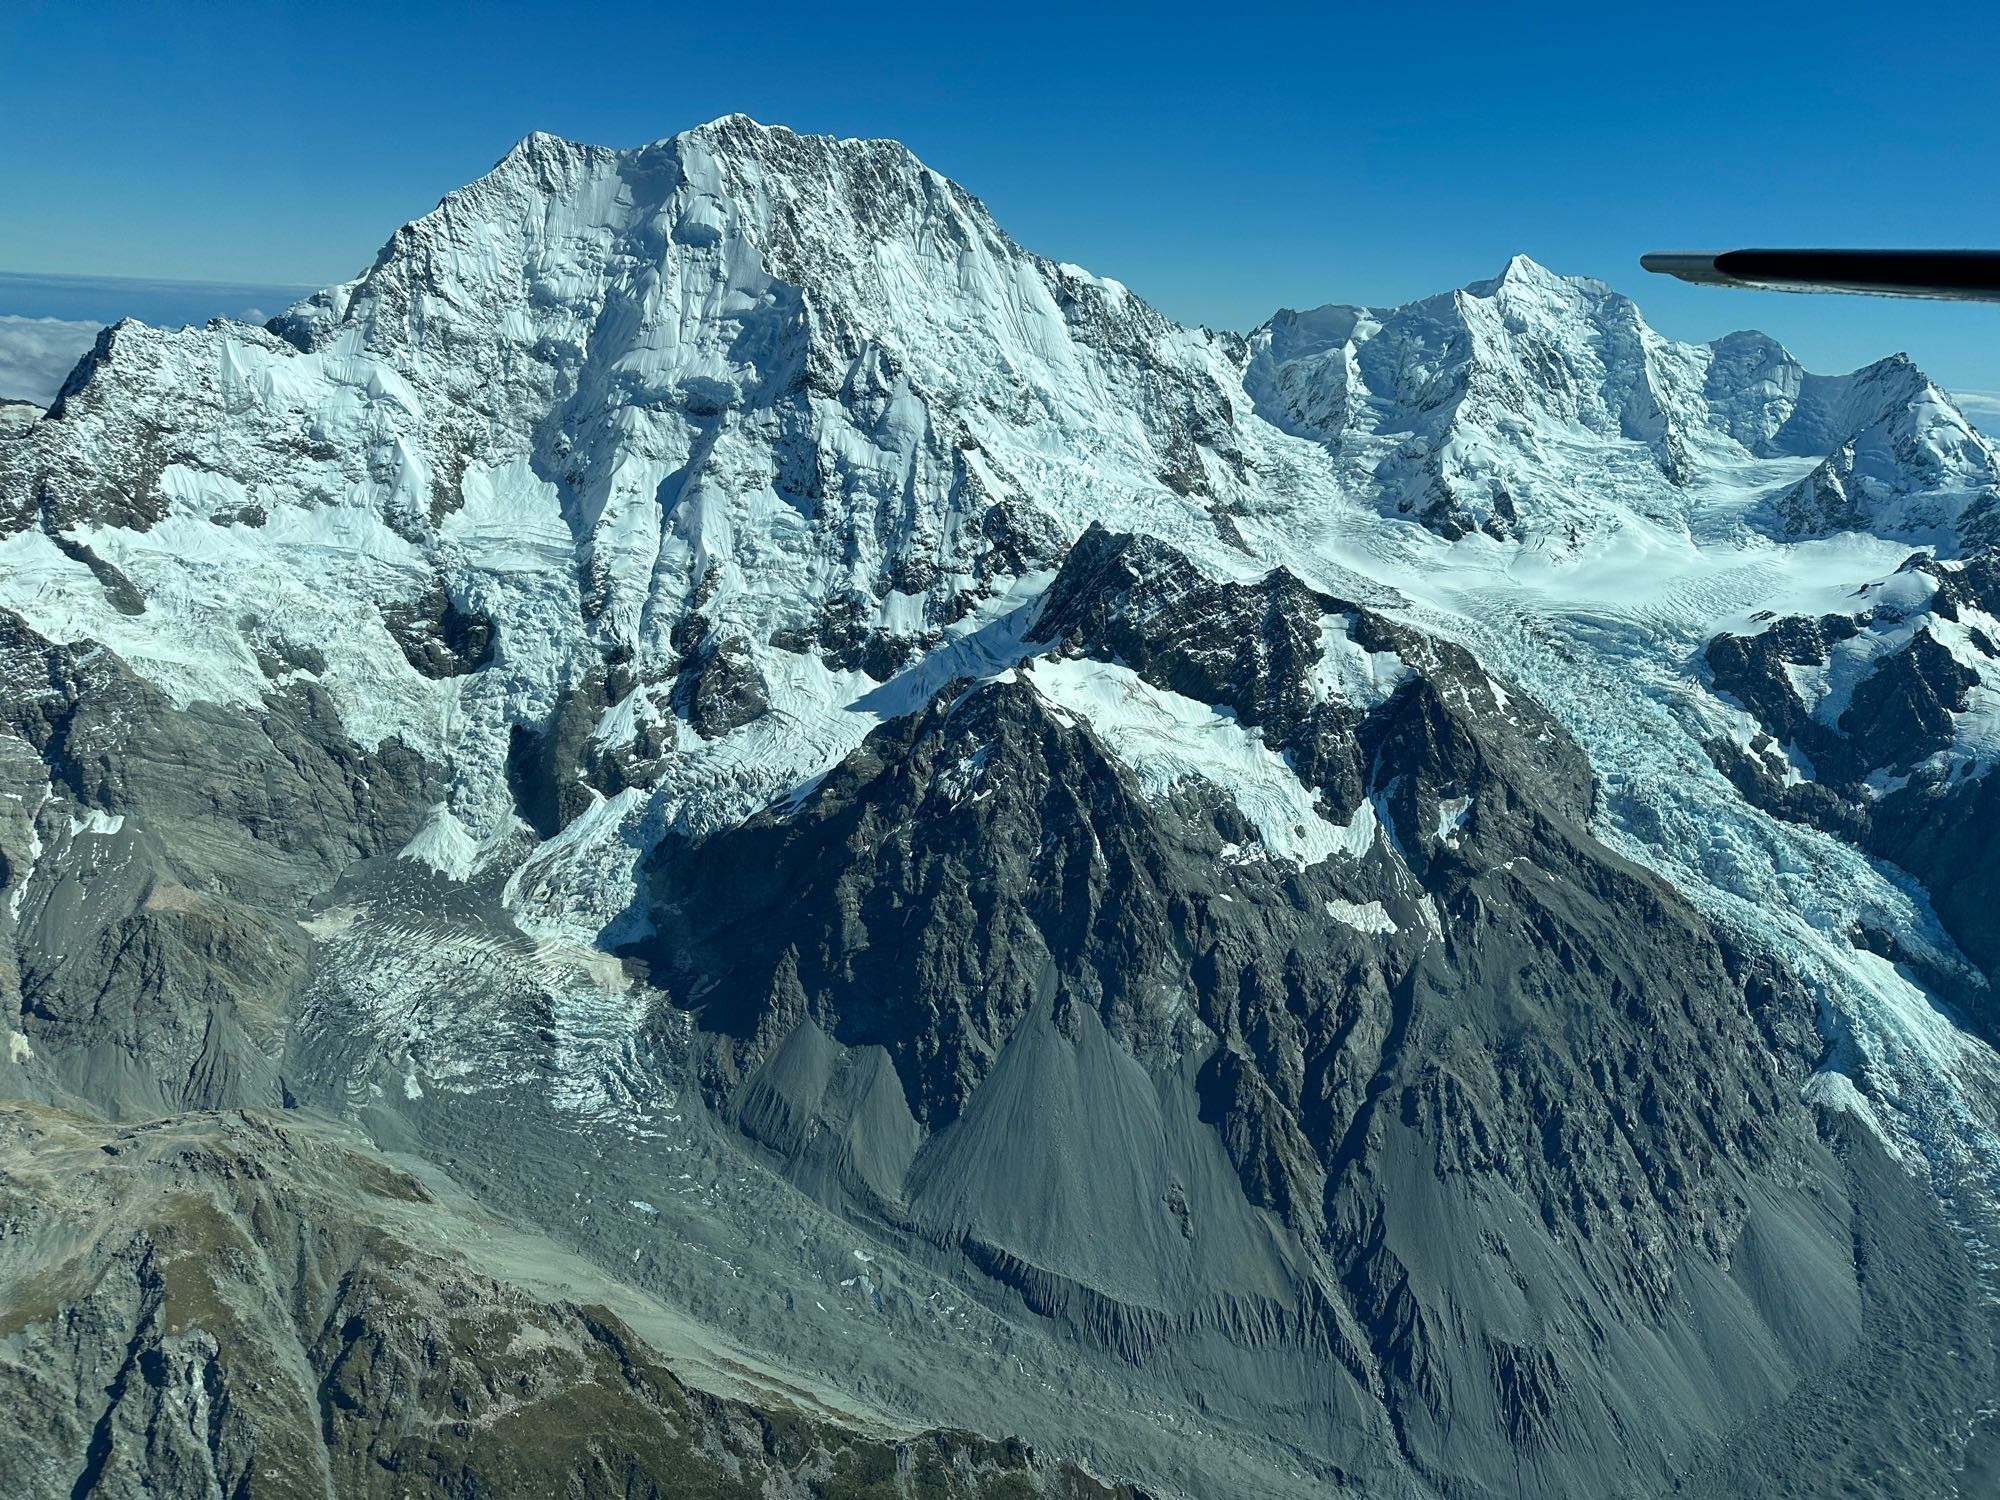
{"x": 874, "y": 791}
{"x": 1435, "y": 1072}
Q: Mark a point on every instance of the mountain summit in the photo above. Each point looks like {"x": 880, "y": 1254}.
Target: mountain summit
{"x": 1520, "y": 405}
{"x": 755, "y": 780}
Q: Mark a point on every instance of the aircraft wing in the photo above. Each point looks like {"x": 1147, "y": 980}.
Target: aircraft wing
{"x": 1951, "y": 275}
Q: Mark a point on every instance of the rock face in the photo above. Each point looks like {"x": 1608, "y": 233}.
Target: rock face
{"x": 1478, "y": 1094}
{"x": 715, "y": 828}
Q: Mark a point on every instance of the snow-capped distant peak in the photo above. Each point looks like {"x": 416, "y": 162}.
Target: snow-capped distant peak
{"x": 1525, "y": 276}
{"x": 1536, "y": 403}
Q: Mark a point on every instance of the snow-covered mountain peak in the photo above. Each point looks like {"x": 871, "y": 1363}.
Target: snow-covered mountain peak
{"x": 1526, "y": 270}
{"x": 993, "y": 717}
{"x": 1536, "y": 403}
{"x": 1912, "y": 468}
{"x": 804, "y": 209}
{"x": 741, "y": 418}
{"x": 1292, "y": 335}
{"x": 1454, "y": 407}
{"x": 1530, "y": 287}
{"x": 585, "y": 301}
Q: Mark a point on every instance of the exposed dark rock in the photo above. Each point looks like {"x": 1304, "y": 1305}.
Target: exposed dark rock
{"x": 844, "y": 637}
{"x": 439, "y": 638}
{"x": 546, "y": 765}
{"x": 124, "y": 598}
{"x": 283, "y": 656}
{"x": 1901, "y": 712}
{"x": 1751, "y": 669}
{"x": 721, "y": 689}
{"x": 1930, "y": 815}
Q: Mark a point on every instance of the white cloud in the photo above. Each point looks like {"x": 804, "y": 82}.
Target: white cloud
{"x": 1983, "y": 407}
{"x": 36, "y": 353}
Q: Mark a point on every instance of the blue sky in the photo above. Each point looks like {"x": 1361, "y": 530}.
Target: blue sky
{"x": 1223, "y": 161}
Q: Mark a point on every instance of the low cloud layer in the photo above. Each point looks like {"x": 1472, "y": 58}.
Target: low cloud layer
{"x": 1983, "y": 407}
{"x": 36, "y": 353}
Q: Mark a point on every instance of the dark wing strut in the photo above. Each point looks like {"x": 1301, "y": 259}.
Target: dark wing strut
{"x": 1950, "y": 275}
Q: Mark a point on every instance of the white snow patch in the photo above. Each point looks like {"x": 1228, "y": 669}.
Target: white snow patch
{"x": 1349, "y": 673}
{"x": 444, "y": 844}
{"x": 1452, "y": 815}
{"x": 94, "y": 821}
{"x": 27, "y": 873}
{"x": 1362, "y": 916}
{"x": 1167, "y": 740}
{"x": 1809, "y": 682}
{"x": 1427, "y": 908}
{"x": 18, "y": 1050}
{"x": 957, "y": 782}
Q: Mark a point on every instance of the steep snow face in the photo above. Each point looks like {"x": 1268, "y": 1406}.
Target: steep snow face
{"x": 738, "y": 392}
{"x": 743, "y": 331}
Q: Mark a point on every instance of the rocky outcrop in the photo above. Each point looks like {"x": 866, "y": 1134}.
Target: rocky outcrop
{"x": 438, "y": 638}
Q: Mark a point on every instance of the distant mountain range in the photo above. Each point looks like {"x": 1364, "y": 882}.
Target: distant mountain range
{"x": 716, "y": 829}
